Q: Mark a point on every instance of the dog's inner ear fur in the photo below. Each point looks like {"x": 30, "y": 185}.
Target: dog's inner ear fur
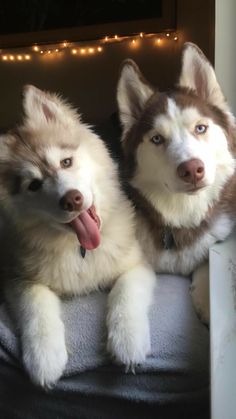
{"x": 132, "y": 93}
{"x": 38, "y": 105}
{"x": 198, "y": 74}
{"x": 49, "y": 115}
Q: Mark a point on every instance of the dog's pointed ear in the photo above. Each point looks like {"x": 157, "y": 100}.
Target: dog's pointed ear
{"x": 198, "y": 74}
{"x": 39, "y": 105}
{"x": 133, "y": 91}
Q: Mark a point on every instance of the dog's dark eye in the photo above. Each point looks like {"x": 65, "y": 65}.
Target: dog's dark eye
{"x": 65, "y": 163}
{"x": 35, "y": 185}
{"x": 201, "y": 129}
{"x": 157, "y": 139}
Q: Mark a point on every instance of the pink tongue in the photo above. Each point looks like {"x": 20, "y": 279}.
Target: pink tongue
{"x": 87, "y": 231}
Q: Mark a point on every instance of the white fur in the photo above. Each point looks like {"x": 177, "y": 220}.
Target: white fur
{"x": 127, "y": 319}
{"x": 47, "y": 251}
{"x": 43, "y": 336}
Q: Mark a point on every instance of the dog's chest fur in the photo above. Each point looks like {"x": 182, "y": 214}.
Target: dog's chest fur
{"x": 173, "y": 249}
{"x": 54, "y": 258}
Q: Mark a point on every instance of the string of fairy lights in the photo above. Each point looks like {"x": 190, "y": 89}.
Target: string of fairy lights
{"x": 81, "y": 48}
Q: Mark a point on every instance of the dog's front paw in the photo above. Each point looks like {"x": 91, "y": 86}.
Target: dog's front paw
{"x": 45, "y": 356}
{"x": 128, "y": 340}
{"x": 200, "y": 293}
{"x": 201, "y": 304}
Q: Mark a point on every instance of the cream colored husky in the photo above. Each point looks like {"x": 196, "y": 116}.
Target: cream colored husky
{"x": 69, "y": 229}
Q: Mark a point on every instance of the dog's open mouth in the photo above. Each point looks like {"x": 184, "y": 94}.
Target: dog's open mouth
{"x": 87, "y": 226}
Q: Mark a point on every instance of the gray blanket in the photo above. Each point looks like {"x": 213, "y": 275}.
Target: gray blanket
{"x": 178, "y": 338}
{"x": 172, "y": 383}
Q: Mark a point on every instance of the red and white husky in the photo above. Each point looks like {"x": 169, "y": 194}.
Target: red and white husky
{"x": 179, "y": 151}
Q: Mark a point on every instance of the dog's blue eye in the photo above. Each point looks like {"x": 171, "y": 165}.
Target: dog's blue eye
{"x": 35, "y": 185}
{"x": 65, "y": 163}
{"x": 157, "y": 139}
{"x": 200, "y": 129}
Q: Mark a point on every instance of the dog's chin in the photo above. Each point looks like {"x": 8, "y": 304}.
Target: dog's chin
{"x": 190, "y": 189}
{"x": 195, "y": 190}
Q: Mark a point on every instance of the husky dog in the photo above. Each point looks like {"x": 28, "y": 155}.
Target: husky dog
{"x": 179, "y": 150}
{"x": 69, "y": 230}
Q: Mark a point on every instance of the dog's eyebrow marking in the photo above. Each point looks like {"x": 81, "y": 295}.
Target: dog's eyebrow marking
{"x": 66, "y": 146}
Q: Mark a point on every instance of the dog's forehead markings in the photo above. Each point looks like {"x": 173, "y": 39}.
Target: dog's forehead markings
{"x": 186, "y": 116}
{"x": 172, "y": 109}
{"x": 191, "y": 115}
{"x": 177, "y": 116}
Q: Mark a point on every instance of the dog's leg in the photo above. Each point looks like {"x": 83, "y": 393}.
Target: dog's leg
{"x": 200, "y": 292}
{"x": 127, "y": 319}
{"x": 37, "y": 311}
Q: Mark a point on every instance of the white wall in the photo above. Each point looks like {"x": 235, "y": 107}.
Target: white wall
{"x": 225, "y": 48}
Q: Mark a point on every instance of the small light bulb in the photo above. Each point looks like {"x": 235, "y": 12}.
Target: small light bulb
{"x": 57, "y": 50}
{"x": 5, "y": 57}
{"x": 19, "y": 57}
{"x": 49, "y": 51}
{"x": 74, "y": 51}
{"x": 41, "y": 52}
{"x": 133, "y": 42}
{"x": 176, "y": 38}
{"x": 168, "y": 34}
{"x": 12, "y": 57}
{"x": 106, "y": 38}
{"x": 141, "y": 34}
{"x": 83, "y": 51}
{"x": 91, "y": 50}
{"x": 27, "y": 57}
{"x": 65, "y": 44}
{"x": 159, "y": 40}
{"x": 36, "y": 48}
{"x": 116, "y": 36}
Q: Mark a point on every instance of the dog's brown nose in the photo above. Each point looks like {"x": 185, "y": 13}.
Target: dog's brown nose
{"x": 191, "y": 171}
{"x": 71, "y": 201}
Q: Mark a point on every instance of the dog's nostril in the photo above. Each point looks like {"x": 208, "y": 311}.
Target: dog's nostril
{"x": 185, "y": 174}
{"x": 200, "y": 169}
{"x": 78, "y": 198}
{"x": 69, "y": 206}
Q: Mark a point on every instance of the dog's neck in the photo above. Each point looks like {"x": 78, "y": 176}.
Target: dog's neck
{"x": 166, "y": 235}
{"x": 181, "y": 232}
